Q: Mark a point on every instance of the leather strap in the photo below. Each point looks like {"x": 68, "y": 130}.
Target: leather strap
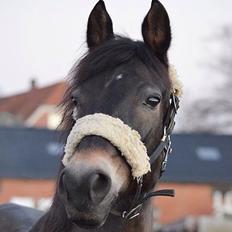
{"x": 138, "y": 207}
{"x": 164, "y": 146}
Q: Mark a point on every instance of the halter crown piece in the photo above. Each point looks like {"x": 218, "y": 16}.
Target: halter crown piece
{"x": 128, "y": 141}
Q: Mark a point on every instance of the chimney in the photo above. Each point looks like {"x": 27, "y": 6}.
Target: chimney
{"x": 33, "y": 84}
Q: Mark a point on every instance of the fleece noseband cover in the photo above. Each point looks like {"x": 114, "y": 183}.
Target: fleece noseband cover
{"x": 127, "y": 140}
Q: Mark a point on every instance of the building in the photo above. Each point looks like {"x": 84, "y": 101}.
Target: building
{"x": 29, "y": 163}
{"x": 199, "y": 170}
{"x": 34, "y": 108}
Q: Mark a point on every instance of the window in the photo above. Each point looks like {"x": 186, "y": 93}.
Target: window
{"x": 44, "y": 203}
{"x": 54, "y": 148}
{"x": 54, "y": 120}
{"x": 208, "y": 153}
{"x": 222, "y": 203}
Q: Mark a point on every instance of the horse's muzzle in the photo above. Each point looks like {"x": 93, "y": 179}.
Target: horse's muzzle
{"x": 87, "y": 195}
{"x": 90, "y": 184}
{"x": 83, "y": 189}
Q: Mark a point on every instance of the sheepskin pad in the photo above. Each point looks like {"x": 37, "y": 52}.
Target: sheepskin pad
{"x": 177, "y": 87}
{"x": 127, "y": 140}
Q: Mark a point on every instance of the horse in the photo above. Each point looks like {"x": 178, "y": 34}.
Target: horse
{"x": 128, "y": 80}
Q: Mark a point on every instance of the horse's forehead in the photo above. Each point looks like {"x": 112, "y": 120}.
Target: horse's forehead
{"x": 115, "y": 78}
{"x": 128, "y": 76}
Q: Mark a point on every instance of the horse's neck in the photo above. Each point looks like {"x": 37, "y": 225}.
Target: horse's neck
{"x": 56, "y": 221}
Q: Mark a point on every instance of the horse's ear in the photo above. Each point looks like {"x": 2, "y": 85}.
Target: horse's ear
{"x": 156, "y": 30}
{"x": 100, "y": 26}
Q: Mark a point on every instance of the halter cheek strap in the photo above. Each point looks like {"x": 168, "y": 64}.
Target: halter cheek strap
{"x": 164, "y": 146}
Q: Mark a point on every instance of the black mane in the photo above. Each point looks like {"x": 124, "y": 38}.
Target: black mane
{"x": 113, "y": 53}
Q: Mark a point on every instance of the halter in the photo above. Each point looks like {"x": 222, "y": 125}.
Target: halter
{"x": 165, "y": 147}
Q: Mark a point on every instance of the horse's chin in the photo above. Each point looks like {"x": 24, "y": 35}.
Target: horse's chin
{"x": 88, "y": 220}
{"x": 89, "y": 224}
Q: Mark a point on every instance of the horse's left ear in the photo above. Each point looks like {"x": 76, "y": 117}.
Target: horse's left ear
{"x": 156, "y": 30}
{"x": 100, "y": 26}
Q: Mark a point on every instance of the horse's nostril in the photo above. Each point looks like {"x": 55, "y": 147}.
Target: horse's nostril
{"x": 100, "y": 185}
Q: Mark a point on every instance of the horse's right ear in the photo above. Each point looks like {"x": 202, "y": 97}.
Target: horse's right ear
{"x": 100, "y": 26}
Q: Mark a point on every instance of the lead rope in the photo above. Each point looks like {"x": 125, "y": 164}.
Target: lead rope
{"x": 164, "y": 146}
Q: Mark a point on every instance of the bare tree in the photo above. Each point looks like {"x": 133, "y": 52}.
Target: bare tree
{"x": 214, "y": 114}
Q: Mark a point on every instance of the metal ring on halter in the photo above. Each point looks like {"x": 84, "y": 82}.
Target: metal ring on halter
{"x": 134, "y": 212}
{"x": 165, "y": 134}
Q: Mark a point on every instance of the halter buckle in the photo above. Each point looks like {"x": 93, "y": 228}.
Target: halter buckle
{"x": 133, "y": 213}
{"x": 168, "y": 150}
{"x": 164, "y": 135}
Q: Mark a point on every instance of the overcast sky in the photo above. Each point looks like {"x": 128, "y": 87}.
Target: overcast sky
{"x": 44, "y": 38}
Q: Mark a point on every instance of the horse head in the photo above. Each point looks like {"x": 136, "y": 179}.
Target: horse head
{"x": 123, "y": 79}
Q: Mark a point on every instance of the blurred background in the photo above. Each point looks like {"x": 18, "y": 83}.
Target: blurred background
{"x": 39, "y": 43}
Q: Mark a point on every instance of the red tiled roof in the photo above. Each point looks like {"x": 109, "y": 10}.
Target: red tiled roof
{"x": 23, "y": 105}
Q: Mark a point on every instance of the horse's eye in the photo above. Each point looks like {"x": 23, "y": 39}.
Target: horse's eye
{"x": 152, "y": 101}
{"x": 74, "y": 100}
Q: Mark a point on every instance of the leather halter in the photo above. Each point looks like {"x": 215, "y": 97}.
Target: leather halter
{"x": 165, "y": 147}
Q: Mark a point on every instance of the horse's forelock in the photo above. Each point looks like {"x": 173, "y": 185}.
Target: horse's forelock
{"x": 108, "y": 57}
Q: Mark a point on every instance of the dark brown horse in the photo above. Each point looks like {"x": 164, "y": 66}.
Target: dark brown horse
{"x": 125, "y": 79}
